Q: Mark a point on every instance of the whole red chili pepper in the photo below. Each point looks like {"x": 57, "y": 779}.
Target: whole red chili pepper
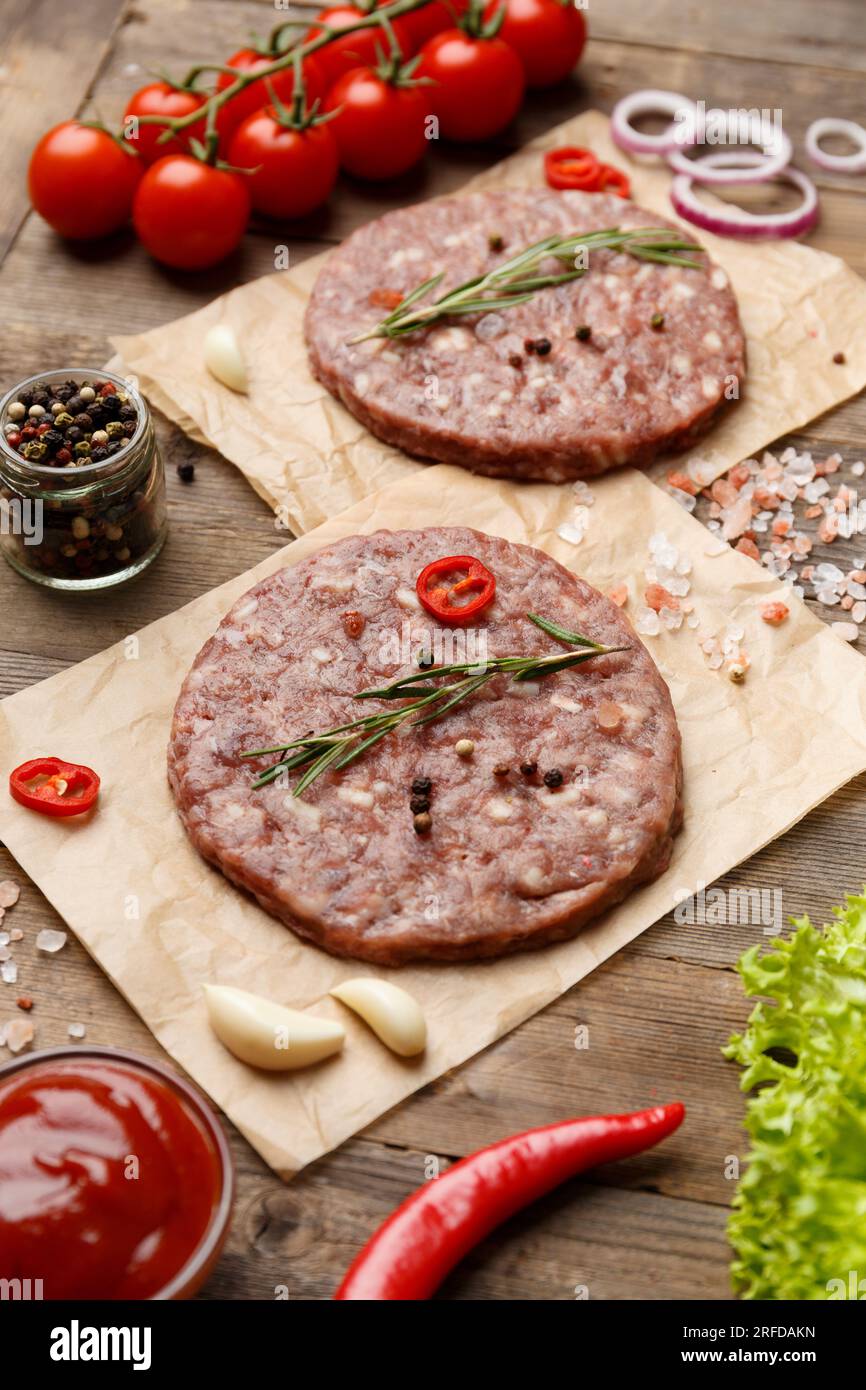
{"x": 436, "y": 1226}
{"x": 54, "y": 787}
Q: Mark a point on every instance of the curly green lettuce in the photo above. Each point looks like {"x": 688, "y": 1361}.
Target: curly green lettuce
{"x": 798, "y": 1224}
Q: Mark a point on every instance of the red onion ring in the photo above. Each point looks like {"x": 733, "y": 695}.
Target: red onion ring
{"x": 734, "y": 221}
{"x": 839, "y": 163}
{"x": 652, "y": 100}
{"x": 776, "y": 156}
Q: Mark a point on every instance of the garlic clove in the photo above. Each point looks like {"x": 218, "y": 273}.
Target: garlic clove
{"x": 223, "y": 358}
{"x": 394, "y": 1016}
{"x": 268, "y": 1035}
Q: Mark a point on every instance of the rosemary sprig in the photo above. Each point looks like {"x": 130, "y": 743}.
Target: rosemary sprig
{"x": 340, "y": 746}
{"x": 515, "y": 282}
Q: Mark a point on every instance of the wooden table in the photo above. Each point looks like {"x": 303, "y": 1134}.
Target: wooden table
{"x": 658, "y": 1013}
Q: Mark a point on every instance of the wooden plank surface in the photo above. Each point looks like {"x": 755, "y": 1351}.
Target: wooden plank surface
{"x": 656, "y": 1015}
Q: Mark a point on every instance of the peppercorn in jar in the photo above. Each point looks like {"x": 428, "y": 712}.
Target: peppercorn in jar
{"x": 82, "y": 487}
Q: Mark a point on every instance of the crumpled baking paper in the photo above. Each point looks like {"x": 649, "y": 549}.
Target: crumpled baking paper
{"x": 161, "y": 922}
{"x": 310, "y": 459}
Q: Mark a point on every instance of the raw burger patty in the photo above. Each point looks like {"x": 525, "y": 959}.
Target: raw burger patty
{"x": 453, "y": 393}
{"x": 508, "y": 863}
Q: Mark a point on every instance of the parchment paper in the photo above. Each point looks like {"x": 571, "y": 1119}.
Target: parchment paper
{"x": 309, "y": 458}
{"x": 160, "y": 922}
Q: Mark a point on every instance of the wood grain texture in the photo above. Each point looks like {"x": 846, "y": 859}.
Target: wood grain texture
{"x": 657, "y": 1014}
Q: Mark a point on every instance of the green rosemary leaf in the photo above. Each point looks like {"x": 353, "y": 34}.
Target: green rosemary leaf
{"x": 465, "y": 688}
{"x": 318, "y": 767}
{"x": 552, "y": 629}
{"x": 361, "y": 748}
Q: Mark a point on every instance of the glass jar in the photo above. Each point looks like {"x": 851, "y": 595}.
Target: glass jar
{"x": 85, "y": 525}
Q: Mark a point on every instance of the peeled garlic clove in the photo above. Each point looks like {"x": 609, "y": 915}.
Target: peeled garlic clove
{"x": 268, "y": 1035}
{"x": 223, "y": 358}
{"x": 393, "y": 1015}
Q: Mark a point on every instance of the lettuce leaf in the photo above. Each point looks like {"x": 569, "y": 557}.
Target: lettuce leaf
{"x": 798, "y": 1224}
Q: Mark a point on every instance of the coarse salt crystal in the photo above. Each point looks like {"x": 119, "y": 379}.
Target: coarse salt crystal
{"x": 570, "y": 533}
{"x": 9, "y": 893}
{"x": 50, "y": 940}
{"x": 18, "y": 1034}
{"x": 5, "y": 938}
{"x": 849, "y": 632}
{"x": 9, "y": 972}
{"x": 647, "y": 622}
{"x": 583, "y": 493}
{"x": 858, "y": 612}
{"x": 858, "y": 469}
{"x": 76, "y": 1030}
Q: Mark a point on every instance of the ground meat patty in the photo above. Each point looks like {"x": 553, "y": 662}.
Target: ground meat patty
{"x": 509, "y": 862}
{"x": 466, "y": 391}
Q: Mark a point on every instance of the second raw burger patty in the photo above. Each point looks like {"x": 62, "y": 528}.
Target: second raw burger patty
{"x": 466, "y": 391}
{"x": 508, "y": 863}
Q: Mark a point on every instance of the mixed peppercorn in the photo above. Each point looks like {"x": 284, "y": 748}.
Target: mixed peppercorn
{"x": 71, "y": 424}
{"x": 92, "y": 527}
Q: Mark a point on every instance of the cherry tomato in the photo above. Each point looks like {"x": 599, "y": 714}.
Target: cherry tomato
{"x": 547, "y": 35}
{"x": 423, "y": 24}
{"x": 256, "y": 95}
{"x": 295, "y": 170}
{"x": 358, "y": 49}
{"x": 189, "y": 214}
{"x": 160, "y": 99}
{"x": 82, "y": 182}
{"x": 380, "y": 130}
{"x": 479, "y": 87}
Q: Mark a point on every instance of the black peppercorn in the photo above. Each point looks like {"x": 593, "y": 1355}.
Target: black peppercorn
{"x": 418, "y": 804}
{"x": 422, "y": 823}
{"x": 495, "y": 242}
{"x": 657, "y": 321}
{"x": 99, "y": 454}
{"x": 529, "y": 345}
{"x": 515, "y": 361}
{"x": 53, "y": 438}
{"x": 74, "y": 404}
{"x": 114, "y": 447}
{"x": 839, "y": 358}
{"x": 553, "y": 778}
{"x": 74, "y": 434}
{"x": 529, "y": 769}
{"x": 127, "y": 412}
{"x": 543, "y": 346}
{"x": 501, "y": 770}
{"x": 186, "y": 472}
{"x": 583, "y": 333}
{"x": 421, "y": 786}
{"x": 83, "y": 420}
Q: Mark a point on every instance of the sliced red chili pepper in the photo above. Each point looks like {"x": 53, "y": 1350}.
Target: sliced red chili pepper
{"x": 613, "y": 180}
{"x": 54, "y": 787}
{"x": 463, "y": 575}
{"x": 436, "y": 1226}
{"x": 572, "y": 167}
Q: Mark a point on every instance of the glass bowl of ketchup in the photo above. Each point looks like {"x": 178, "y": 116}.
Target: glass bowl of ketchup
{"x": 116, "y": 1179}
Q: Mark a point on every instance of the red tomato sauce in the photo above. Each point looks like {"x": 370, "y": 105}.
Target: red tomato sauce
{"x": 108, "y": 1182}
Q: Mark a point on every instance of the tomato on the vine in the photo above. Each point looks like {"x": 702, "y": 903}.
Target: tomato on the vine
{"x": 380, "y": 125}
{"x": 479, "y": 78}
{"x": 82, "y": 180}
{"x": 256, "y": 95}
{"x": 189, "y": 214}
{"x": 432, "y": 19}
{"x": 358, "y": 49}
{"x": 547, "y": 35}
{"x": 161, "y": 99}
{"x": 295, "y": 165}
